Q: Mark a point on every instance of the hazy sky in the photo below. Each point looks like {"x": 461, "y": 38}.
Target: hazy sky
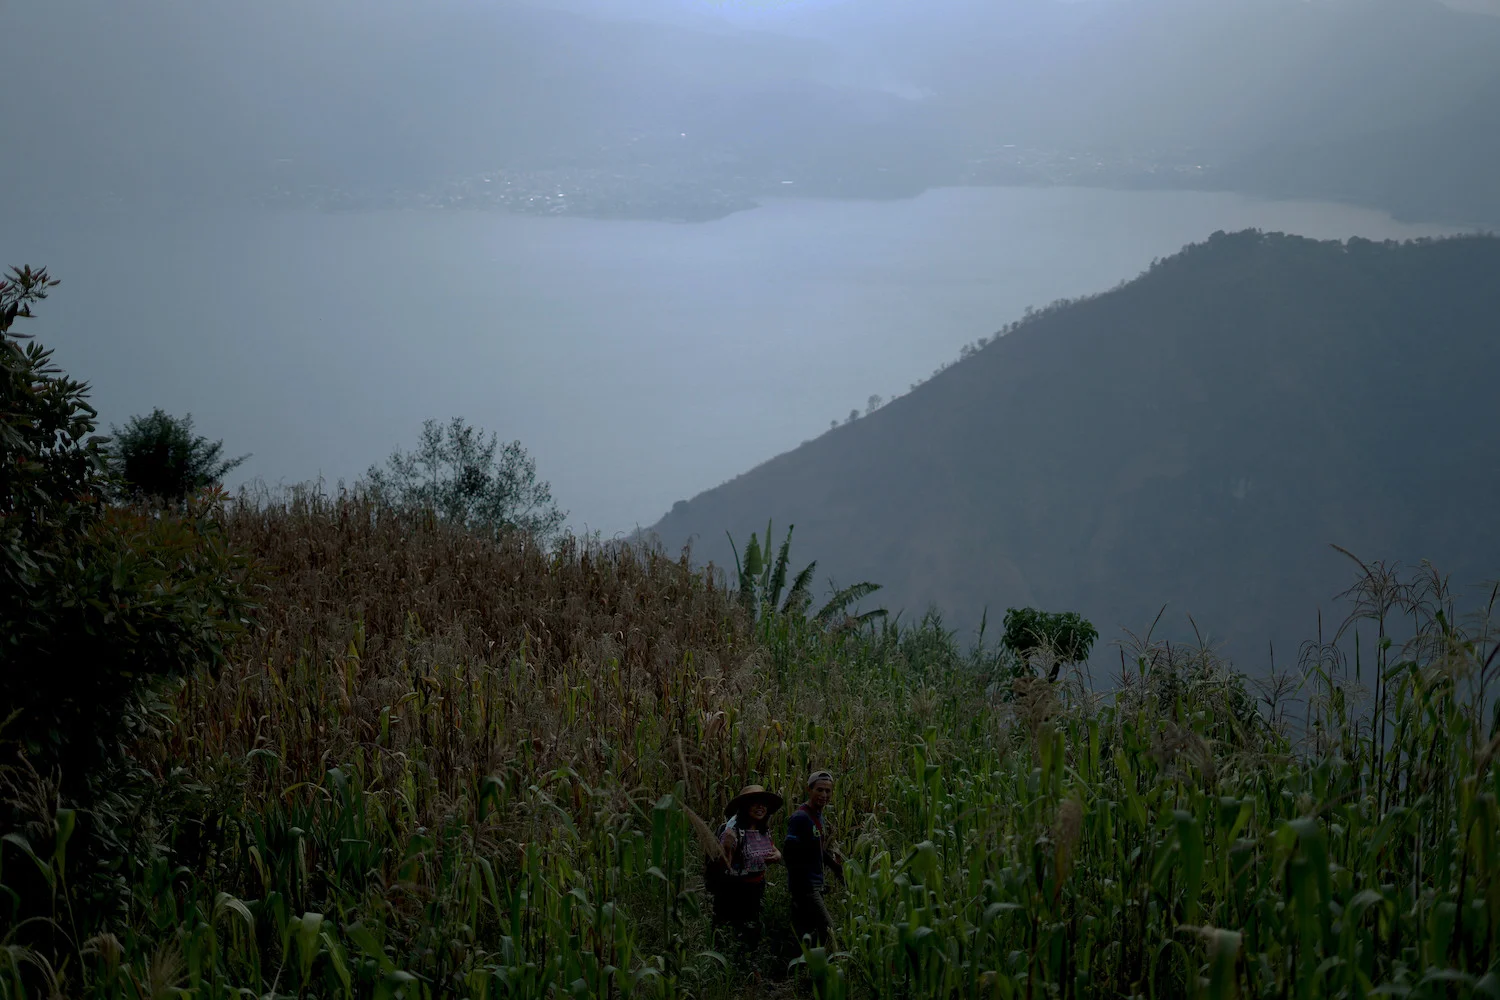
{"x": 172, "y": 97}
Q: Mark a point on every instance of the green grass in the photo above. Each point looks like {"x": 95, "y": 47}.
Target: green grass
{"x": 444, "y": 767}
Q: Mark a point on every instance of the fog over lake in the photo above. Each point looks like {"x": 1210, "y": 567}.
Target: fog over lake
{"x": 639, "y": 362}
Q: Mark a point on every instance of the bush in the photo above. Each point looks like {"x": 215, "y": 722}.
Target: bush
{"x": 158, "y": 457}
{"x": 95, "y": 601}
{"x": 467, "y": 479}
{"x": 1065, "y": 637}
{"x": 51, "y": 467}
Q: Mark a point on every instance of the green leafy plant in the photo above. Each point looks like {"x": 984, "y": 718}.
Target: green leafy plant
{"x": 762, "y": 581}
{"x": 52, "y": 468}
{"x": 158, "y": 457}
{"x": 1063, "y": 637}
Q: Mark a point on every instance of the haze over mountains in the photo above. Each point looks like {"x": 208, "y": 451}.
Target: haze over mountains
{"x": 1196, "y": 438}
{"x": 1369, "y": 100}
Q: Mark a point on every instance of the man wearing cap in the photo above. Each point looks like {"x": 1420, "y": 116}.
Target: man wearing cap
{"x": 807, "y": 851}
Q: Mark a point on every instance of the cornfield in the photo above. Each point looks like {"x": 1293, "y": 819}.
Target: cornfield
{"x": 452, "y": 767}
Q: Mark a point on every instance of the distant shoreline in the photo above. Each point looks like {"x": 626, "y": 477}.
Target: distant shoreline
{"x": 697, "y": 212}
{"x": 701, "y": 214}
{"x": 760, "y": 202}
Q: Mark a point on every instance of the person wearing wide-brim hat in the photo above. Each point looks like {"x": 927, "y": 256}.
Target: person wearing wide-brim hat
{"x": 751, "y": 795}
{"x": 748, "y": 851}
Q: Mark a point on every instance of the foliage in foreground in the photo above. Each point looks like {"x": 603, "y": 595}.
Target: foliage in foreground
{"x": 94, "y": 599}
{"x": 453, "y": 767}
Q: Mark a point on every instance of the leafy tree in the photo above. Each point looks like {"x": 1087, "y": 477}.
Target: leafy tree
{"x": 95, "y": 601}
{"x": 470, "y": 479}
{"x": 1067, "y": 637}
{"x": 51, "y": 467}
{"x": 159, "y": 457}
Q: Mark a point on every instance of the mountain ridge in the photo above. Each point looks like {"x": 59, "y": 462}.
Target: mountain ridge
{"x": 1224, "y": 417}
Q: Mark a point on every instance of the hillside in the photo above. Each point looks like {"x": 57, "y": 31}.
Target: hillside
{"x": 1196, "y": 437}
{"x": 326, "y": 747}
{"x": 442, "y": 766}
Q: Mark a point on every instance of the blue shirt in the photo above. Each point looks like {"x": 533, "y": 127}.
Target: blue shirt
{"x": 803, "y": 851}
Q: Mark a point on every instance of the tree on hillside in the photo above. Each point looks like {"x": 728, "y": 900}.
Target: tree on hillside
{"x": 95, "y": 601}
{"x": 1061, "y": 638}
{"x": 159, "y": 457}
{"x": 467, "y": 478}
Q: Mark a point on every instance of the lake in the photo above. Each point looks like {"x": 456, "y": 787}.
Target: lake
{"x": 639, "y": 362}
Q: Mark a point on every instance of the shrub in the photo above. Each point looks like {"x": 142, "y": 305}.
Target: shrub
{"x": 95, "y": 601}
{"x": 51, "y": 467}
{"x": 158, "y": 457}
{"x": 1065, "y": 637}
{"x": 467, "y": 479}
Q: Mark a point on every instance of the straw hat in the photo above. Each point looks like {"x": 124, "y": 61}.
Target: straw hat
{"x": 748, "y": 795}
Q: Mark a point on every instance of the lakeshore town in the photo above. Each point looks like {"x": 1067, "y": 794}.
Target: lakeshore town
{"x": 701, "y": 188}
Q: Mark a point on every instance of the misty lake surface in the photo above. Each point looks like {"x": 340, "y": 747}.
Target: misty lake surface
{"x": 639, "y": 362}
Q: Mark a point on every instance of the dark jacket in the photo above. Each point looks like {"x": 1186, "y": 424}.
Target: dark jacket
{"x": 806, "y": 840}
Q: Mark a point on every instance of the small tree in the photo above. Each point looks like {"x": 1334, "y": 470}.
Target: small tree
{"x": 159, "y": 457}
{"x": 1065, "y": 637}
{"x": 467, "y": 478}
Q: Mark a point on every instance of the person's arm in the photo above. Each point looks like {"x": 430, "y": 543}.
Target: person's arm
{"x": 833, "y": 858}
{"x": 727, "y": 844}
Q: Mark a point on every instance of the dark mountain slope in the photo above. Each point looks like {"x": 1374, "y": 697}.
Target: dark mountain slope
{"x": 1198, "y": 436}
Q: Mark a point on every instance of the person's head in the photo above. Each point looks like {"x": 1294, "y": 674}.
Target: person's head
{"x": 819, "y": 789}
{"x": 753, "y": 807}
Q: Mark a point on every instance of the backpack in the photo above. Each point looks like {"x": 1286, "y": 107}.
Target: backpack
{"x": 716, "y": 874}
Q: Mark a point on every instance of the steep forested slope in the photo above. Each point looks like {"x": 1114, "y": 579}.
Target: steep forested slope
{"x": 1198, "y": 436}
